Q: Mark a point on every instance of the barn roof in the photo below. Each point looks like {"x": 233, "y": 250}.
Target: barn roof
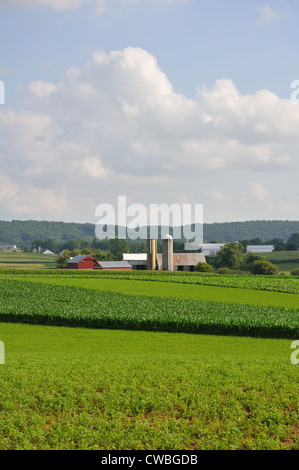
{"x": 261, "y": 246}
{"x": 114, "y": 264}
{"x": 78, "y": 258}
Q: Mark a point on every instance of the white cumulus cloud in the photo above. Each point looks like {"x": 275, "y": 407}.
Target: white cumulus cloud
{"x": 268, "y": 14}
{"x": 116, "y": 125}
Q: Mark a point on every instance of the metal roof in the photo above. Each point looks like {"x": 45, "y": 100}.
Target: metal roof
{"x": 77, "y": 259}
{"x": 114, "y": 264}
{"x": 260, "y": 246}
{"x": 211, "y": 246}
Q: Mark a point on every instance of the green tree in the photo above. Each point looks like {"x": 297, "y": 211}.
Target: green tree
{"x": 62, "y": 259}
{"x": 204, "y": 268}
{"x": 294, "y": 238}
{"x": 119, "y": 246}
{"x": 278, "y": 243}
{"x": 230, "y": 256}
{"x": 250, "y": 258}
{"x": 263, "y": 267}
{"x": 103, "y": 255}
{"x": 73, "y": 244}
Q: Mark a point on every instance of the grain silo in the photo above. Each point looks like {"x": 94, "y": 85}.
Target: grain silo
{"x": 167, "y": 253}
{"x": 151, "y": 254}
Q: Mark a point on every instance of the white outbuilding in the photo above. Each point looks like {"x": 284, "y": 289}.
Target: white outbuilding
{"x": 259, "y": 248}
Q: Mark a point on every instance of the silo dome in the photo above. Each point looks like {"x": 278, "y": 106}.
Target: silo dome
{"x": 167, "y": 237}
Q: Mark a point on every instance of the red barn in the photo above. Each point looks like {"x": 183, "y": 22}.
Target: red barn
{"x": 82, "y": 262}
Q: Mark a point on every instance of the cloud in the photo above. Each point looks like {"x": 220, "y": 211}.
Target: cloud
{"x": 116, "y": 126}
{"x": 216, "y": 195}
{"x": 258, "y": 190}
{"x": 69, "y": 5}
{"x": 267, "y": 15}
{"x": 56, "y": 4}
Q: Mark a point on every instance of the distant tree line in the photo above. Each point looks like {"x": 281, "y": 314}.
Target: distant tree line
{"x": 25, "y": 232}
{"x": 115, "y": 246}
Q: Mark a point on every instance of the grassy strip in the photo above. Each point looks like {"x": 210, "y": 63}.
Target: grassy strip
{"x": 21, "y": 260}
{"x": 181, "y": 291}
{"x": 72, "y": 389}
{"x": 72, "y": 306}
{"x": 287, "y": 284}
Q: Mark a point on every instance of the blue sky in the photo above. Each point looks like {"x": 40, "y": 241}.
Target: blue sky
{"x": 164, "y": 101}
{"x": 195, "y": 42}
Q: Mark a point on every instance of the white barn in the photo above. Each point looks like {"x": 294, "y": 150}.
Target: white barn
{"x": 260, "y": 248}
{"x": 208, "y": 249}
{"x": 136, "y": 260}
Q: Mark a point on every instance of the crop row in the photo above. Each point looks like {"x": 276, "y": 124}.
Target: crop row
{"x": 287, "y": 284}
{"x": 73, "y": 306}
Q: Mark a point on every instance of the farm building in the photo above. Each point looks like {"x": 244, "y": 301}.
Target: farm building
{"x": 88, "y": 262}
{"x": 183, "y": 261}
{"x": 110, "y": 265}
{"x": 208, "y": 249}
{"x": 8, "y": 247}
{"x": 82, "y": 262}
{"x": 259, "y": 249}
{"x": 136, "y": 260}
{"x": 211, "y": 249}
{"x": 48, "y": 252}
{"x": 167, "y": 260}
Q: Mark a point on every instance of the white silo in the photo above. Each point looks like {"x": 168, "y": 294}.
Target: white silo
{"x": 167, "y": 253}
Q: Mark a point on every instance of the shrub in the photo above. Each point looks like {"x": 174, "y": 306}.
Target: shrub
{"x": 223, "y": 271}
{"x": 204, "y": 268}
{"x": 295, "y": 272}
{"x": 263, "y": 267}
{"x": 250, "y": 258}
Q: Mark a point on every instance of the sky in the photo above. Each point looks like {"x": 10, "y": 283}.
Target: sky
{"x": 161, "y": 101}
